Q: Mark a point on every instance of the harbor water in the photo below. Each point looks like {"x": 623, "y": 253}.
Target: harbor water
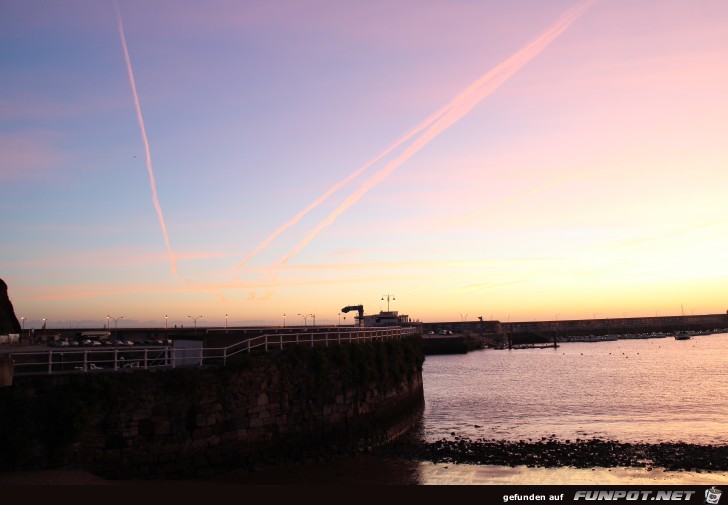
{"x": 637, "y": 390}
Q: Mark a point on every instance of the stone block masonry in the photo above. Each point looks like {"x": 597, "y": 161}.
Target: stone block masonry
{"x": 260, "y": 409}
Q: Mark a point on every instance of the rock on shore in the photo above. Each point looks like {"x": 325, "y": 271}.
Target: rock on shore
{"x": 549, "y": 452}
{"x": 8, "y": 321}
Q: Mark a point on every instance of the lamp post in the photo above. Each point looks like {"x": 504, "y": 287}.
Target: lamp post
{"x": 339, "y": 318}
{"x": 304, "y": 319}
{"x": 44, "y": 323}
{"x": 226, "y": 316}
{"x": 388, "y": 300}
{"x": 463, "y": 317}
{"x": 195, "y": 320}
{"x": 284, "y": 319}
{"x": 314, "y": 318}
{"x": 116, "y": 320}
{"x": 165, "y": 322}
{"x": 23, "y": 319}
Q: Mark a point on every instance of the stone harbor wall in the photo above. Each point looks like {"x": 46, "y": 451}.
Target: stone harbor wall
{"x": 262, "y": 409}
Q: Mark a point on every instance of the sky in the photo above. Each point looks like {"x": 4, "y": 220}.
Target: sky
{"x": 270, "y": 162}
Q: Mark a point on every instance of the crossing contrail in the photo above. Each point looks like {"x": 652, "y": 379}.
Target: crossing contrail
{"x": 295, "y": 219}
{"x": 461, "y": 97}
{"x": 453, "y": 112}
{"x": 172, "y": 257}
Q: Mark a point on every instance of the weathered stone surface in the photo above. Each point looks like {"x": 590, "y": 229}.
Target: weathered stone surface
{"x": 183, "y": 422}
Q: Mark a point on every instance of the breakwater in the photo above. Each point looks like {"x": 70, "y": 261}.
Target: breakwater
{"x": 545, "y": 331}
{"x": 262, "y": 408}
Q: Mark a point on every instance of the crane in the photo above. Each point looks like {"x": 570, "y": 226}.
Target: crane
{"x": 359, "y": 309}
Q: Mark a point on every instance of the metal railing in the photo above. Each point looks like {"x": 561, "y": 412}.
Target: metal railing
{"x": 112, "y": 360}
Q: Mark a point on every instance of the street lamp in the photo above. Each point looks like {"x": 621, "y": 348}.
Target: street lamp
{"x": 314, "y": 318}
{"x": 387, "y": 300}
{"x": 284, "y": 319}
{"x": 44, "y": 322}
{"x": 304, "y": 319}
{"x": 165, "y": 322}
{"x": 195, "y": 320}
{"x": 23, "y": 319}
{"x": 339, "y": 318}
{"x": 463, "y": 317}
{"x": 116, "y": 320}
{"x": 226, "y": 316}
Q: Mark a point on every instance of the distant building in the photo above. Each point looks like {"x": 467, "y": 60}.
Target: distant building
{"x": 386, "y": 318}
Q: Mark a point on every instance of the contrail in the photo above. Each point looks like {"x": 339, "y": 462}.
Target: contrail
{"x": 172, "y": 257}
{"x": 458, "y": 108}
{"x": 404, "y": 138}
{"x": 462, "y": 96}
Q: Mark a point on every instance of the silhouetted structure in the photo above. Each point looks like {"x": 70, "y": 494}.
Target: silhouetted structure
{"x": 8, "y": 321}
{"x": 360, "y": 311}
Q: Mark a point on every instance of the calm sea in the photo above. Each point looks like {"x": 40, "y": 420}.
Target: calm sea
{"x": 650, "y": 390}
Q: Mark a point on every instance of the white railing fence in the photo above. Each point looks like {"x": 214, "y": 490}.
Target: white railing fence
{"x": 127, "y": 359}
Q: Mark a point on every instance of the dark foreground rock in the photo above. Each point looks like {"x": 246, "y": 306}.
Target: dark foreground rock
{"x": 549, "y": 452}
{"x": 8, "y": 321}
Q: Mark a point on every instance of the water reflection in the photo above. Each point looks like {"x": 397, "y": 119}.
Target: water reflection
{"x": 377, "y": 470}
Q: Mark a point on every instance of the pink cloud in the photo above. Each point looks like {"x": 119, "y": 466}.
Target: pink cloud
{"x": 28, "y": 156}
{"x": 26, "y": 107}
{"x": 116, "y": 257}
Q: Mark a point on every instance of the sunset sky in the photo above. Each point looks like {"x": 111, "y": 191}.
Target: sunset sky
{"x": 515, "y": 160}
